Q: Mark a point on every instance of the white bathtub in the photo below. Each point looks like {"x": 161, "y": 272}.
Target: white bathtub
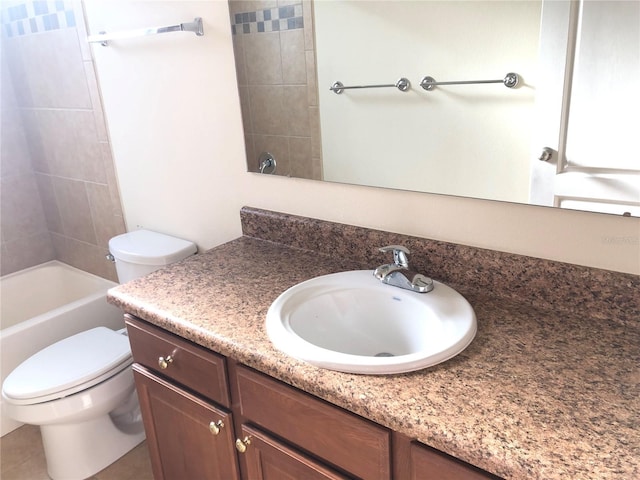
{"x": 46, "y": 303}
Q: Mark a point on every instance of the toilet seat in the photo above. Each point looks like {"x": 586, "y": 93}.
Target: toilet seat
{"x": 68, "y": 366}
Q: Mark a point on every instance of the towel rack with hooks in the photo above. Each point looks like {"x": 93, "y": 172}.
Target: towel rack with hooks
{"x": 510, "y": 80}
{"x": 402, "y": 84}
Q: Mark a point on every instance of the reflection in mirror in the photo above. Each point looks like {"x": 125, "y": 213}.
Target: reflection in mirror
{"x": 484, "y": 140}
{"x": 275, "y": 63}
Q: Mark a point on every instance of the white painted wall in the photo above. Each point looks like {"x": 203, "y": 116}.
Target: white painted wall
{"x": 174, "y": 120}
{"x": 470, "y": 140}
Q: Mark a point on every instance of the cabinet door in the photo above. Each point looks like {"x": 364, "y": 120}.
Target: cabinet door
{"x": 429, "y": 464}
{"x": 268, "y": 459}
{"x": 188, "y": 438}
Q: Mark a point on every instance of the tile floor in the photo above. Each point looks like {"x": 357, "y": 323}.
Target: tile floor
{"x": 22, "y": 458}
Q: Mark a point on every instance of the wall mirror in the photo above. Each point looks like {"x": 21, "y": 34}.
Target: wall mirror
{"x": 562, "y": 136}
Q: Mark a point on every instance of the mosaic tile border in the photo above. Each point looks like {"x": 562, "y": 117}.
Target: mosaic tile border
{"x": 36, "y": 16}
{"x": 268, "y": 20}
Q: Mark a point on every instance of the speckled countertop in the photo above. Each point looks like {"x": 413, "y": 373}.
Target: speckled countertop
{"x": 541, "y": 393}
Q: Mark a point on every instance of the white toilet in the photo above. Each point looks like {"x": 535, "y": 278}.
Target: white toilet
{"x": 80, "y": 390}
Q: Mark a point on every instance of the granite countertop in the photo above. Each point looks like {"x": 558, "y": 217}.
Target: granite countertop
{"x": 539, "y": 394}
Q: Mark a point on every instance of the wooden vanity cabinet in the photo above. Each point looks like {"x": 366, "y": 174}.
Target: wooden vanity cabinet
{"x": 183, "y": 390}
{"x": 208, "y": 417}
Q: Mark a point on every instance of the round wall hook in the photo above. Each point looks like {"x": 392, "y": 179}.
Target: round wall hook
{"x": 428, "y": 83}
{"x": 511, "y": 80}
{"x": 337, "y": 87}
{"x": 403, "y": 84}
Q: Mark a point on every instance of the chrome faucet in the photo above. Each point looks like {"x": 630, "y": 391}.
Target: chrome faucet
{"x": 398, "y": 273}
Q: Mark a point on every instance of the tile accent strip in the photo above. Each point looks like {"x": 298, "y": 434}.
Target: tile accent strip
{"x": 275, "y": 19}
{"x": 36, "y": 16}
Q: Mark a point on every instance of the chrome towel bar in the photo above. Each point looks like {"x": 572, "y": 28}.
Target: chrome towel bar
{"x": 511, "y": 80}
{"x": 103, "y": 37}
{"x": 403, "y": 85}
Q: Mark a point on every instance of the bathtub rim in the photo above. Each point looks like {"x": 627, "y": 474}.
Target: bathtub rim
{"x": 38, "y": 319}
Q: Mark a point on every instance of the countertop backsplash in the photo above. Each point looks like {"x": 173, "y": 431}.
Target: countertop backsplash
{"x": 595, "y": 293}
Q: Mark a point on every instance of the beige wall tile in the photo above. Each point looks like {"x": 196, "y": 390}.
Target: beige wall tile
{"x": 307, "y": 15}
{"x": 240, "y": 6}
{"x": 300, "y": 154}
{"x": 69, "y": 144}
{"x": 7, "y": 92}
{"x": 84, "y": 256}
{"x": 294, "y": 68}
{"x": 5, "y": 261}
{"x": 267, "y": 110}
{"x": 106, "y": 224}
{"x": 96, "y": 102}
{"x": 49, "y": 203}
{"x": 263, "y": 59}
{"x": 250, "y": 152}
{"x": 75, "y": 211}
{"x": 55, "y": 55}
{"x": 316, "y": 167}
{"x": 112, "y": 179}
{"x": 15, "y": 59}
{"x": 247, "y": 120}
{"x": 316, "y": 138}
{"x": 238, "y": 53}
{"x": 34, "y": 140}
{"x": 21, "y": 213}
{"x": 312, "y": 78}
{"x": 15, "y": 158}
{"x": 26, "y": 252}
{"x": 296, "y": 110}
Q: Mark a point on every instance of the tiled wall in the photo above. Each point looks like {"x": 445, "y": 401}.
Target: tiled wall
{"x": 59, "y": 191}
{"x": 275, "y": 61}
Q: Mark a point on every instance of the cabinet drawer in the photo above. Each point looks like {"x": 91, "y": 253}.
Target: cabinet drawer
{"x": 193, "y": 366}
{"x": 343, "y": 439}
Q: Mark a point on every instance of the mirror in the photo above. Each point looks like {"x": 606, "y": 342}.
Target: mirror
{"x": 480, "y": 140}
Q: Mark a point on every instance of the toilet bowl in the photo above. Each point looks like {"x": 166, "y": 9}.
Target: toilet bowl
{"x": 80, "y": 391}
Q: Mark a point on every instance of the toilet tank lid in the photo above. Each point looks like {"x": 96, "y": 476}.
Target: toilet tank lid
{"x": 79, "y": 361}
{"x": 145, "y": 247}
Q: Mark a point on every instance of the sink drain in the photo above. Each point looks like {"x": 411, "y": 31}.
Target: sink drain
{"x": 384, "y": 354}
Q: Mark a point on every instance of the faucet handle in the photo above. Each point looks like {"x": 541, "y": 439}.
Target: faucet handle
{"x": 399, "y": 254}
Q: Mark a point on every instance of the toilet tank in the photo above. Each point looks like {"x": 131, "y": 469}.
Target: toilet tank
{"x": 141, "y": 252}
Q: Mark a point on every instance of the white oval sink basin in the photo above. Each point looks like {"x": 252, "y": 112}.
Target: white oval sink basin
{"x": 352, "y": 322}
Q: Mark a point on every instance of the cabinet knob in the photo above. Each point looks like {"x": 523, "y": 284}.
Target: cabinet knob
{"x": 214, "y": 427}
{"x": 163, "y": 362}
{"x": 241, "y": 445}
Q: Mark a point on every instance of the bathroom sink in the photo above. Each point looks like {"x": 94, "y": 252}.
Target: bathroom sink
{"x": 352, "y": 322}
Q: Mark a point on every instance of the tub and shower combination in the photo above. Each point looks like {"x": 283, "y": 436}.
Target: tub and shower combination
{"x": 46, "y": 303}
